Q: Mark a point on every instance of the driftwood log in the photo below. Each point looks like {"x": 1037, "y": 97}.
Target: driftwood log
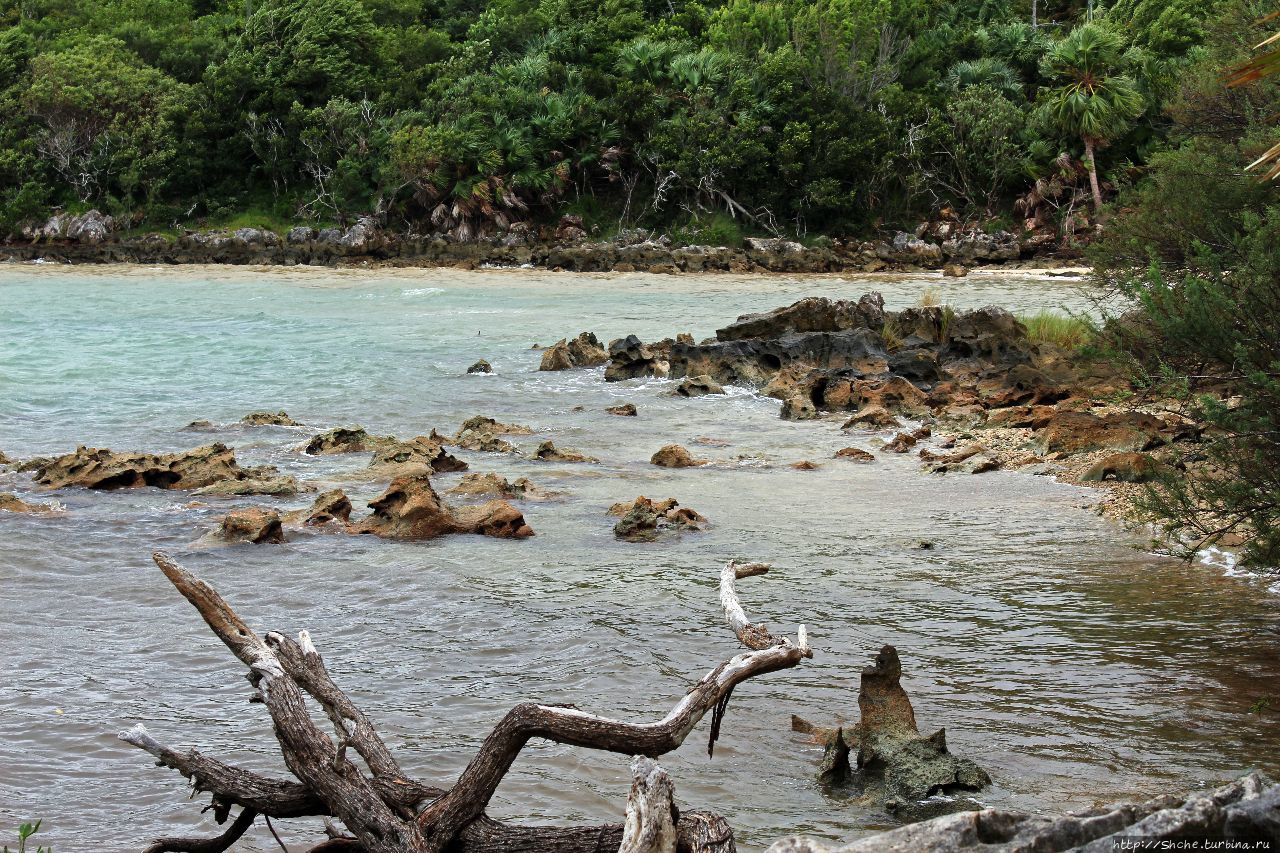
{"x": 352, "y": 776}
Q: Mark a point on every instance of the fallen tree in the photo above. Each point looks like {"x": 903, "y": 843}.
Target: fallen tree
{"x": 353, "y": 776}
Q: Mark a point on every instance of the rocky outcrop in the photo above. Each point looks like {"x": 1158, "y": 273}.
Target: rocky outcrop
{"x": 894, "y": 762}
{"x": 1244, "y": 811}
{"x": 280, "y": 418}
{"x": 855, "y": 454}
{"x": 418, "y": 455}
{"x": 626, "y": 410}
{"x": 411, "y": 509}
{"x": 259, "y": 526}
{"x": 496, "y": 518}
{"x": 480, "y": 366}
{"x": 548, "y": 452}
{"x": 331, "y": 507}
{"x": 10, "y": 502}
{"x": 644, "y": 520}
{"x": 92, "y": 468}
{"x": 583, "y": 351}
{"x": 629, "y": 358}
{"x": 675, "y": 456}
{"x": 346, "y": 440}
{"x": 481, "y": 423}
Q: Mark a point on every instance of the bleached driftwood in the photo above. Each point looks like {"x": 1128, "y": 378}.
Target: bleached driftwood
{"x": 385, "y": 811}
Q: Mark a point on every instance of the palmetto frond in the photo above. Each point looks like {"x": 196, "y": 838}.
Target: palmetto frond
{"x": 1261, "y": 66}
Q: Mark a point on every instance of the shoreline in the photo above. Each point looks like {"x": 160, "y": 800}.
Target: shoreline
{"x": 364, "y": 246}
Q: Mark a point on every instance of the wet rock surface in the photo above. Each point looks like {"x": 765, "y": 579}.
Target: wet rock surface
{"x": 626, "y": 410}
{"x": 331, "y": 507}
{"x": 416, "y": 455}
{"x": 411, "y": 509}
{"x": 1244, "y": 811}
{"x": 259, "y": 526}
{"x": 548, "y": 452}
{"x": 280, "y": 418}
{"x": 280, "y": 487}
{"x": 698, "y": 386}
{"x": 583, "y": 351}
{"x": 675, "y": 456}
{"x": 10, "y": 502}
{"x": 479, "y": 485}
{"x": 480, "y": 366}
{"x": 644, "y": 519}
{"x": 346, "y": 440}
{"x": 94, "y": 468}
{"x": 884, "y": 754}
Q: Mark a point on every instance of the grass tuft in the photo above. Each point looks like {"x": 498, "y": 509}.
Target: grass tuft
{"x": 1061, "y": 330}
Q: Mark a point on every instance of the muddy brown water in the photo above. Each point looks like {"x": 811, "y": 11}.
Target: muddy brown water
{"x": 1075, "y": 668}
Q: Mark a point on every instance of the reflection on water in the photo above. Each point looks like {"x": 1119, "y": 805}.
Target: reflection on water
{"x": 1074, "y": 668}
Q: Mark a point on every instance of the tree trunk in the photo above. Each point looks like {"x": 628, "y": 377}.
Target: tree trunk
{"x": 1092, "y": 164}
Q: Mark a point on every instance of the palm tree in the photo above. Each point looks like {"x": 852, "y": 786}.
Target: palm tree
{"x": 1093, "y": 100}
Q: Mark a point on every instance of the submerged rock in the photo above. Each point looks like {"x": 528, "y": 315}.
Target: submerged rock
{"x": 280, "y": 418}
{"x": 480, "y": 366}
{"x": 476, "y": 485}
{"x": 329, "y": 507}
{"x": 411, "y": 509}
{"x": 698, "y": 386}
{"x": 10, "y": 502}
{"x": 548, "y": 452}
{"x": 626, "y": 410}
{"x": 675, "y": 456}
{"x": 483, "y": 424}
{"x": 259, "y": 526}
{"x": 93, "y": 468}
{"x": 855, "y": 454}
{"x": 346, "y": 440}
{"x": 281, "y": 487}
{"x": 644, "y": 519}
{"x": 583, "y": 351}
{"x": 423, "y": 453}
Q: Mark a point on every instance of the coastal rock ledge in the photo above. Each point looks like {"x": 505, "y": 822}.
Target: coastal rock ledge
{"x": 1245, "y": 810}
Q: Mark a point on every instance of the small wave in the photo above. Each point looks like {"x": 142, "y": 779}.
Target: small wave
{"x": 421, "y": 291}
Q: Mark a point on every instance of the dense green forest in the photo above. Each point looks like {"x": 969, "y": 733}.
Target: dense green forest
{"x": 799, "y": 117}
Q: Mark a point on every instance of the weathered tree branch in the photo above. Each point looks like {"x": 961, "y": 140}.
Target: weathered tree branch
{"x": 207, "y": 845}
{"x": 380, "y": 809}
{"x": 308, "y": 753}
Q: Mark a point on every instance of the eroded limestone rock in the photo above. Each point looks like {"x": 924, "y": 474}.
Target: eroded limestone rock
{"x": 94, "y": 468}
{"x": 675, "y": 456}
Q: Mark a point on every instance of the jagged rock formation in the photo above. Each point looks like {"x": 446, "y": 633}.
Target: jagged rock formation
{"x": 346, "y": 440}
{"x": 644, "y": 519}
{"x": 583, "y": 351}
{"x": 417, "y": 455}
{"x": 411, "y": 509}
{"x": 94, "y": 468}
{"x": 895, "y": 764}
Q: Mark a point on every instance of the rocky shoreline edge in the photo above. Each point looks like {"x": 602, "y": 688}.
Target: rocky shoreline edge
{"x": 953, "y": 247}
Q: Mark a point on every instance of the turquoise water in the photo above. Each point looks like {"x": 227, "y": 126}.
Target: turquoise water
{"x": 1076, "y": 669}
